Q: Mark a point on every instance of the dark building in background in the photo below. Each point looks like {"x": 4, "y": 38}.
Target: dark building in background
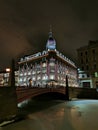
{"x": 47, "y": 68}
{"x": 88, "y": 63}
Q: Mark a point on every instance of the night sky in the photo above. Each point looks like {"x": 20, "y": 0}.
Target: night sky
{"x": 24, "y": 26}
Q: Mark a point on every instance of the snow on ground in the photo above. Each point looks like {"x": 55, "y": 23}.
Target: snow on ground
{"x": 71, "y": 115}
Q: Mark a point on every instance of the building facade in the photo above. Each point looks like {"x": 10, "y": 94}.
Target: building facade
{"x": 5, "y": 77}
{"x": 47, "y": 68}
{"x": 88, "y": 64}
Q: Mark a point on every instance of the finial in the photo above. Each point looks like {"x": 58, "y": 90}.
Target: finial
{"x": 50, "y": 32}
{"x": 50, "y": 28}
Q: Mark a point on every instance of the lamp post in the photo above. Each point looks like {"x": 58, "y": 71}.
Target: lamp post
{"x": 12, "y": 74}
{"x": 8, "y": 70}
{"x": 67, "y": 89}
{"x": 6, "y": 82}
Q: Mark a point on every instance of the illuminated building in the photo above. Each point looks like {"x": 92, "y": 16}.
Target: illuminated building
{"x": 5, "y": 77}
{"x": 1, "y": 79}
{"x": 47, "y": 68}
{"x": 88, "y": 63}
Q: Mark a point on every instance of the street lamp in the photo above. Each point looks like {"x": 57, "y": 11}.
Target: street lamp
{"x": 7, "y": 75}
{"x": 8, "y": 70}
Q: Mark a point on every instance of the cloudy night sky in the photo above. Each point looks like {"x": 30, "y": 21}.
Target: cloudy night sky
{"x": 24, "y": 26}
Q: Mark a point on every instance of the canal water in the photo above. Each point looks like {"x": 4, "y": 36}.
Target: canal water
{"x": 57, "y": 115}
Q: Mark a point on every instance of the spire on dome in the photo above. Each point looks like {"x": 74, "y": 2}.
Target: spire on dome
{"x": 51, "y": 43}
{"x": 50, "y": 32}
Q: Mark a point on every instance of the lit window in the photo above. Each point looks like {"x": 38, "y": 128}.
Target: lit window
{"x": 24, "y": 79}
{"x": 33, "y": 72}
{"x": 38, "y": 72}
{"x": 52, "y": 77}
{"x": 33, "y": 78}
{"x": 6, "y": 75}
{"x": 52, "y": 70}
{"x": 52, "y": 64}
{"x": 44, "y": 70}
{"x": 25, "y": 73}
{"x": 44, "y": 65}
{"x": 24, "y": 84}
{"x": 29, "y": 73}
{"x": 20, "y": 80}
{"x": 21, "y": 74}
{"x": 44, "y": 77}
{"x": 96, "y": 74}
{"x": 38, "y": 77}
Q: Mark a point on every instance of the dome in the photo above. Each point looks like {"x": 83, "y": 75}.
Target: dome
{"x": 51, "y": 43}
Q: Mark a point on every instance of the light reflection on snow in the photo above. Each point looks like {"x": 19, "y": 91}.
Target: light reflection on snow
{"x": 23, "y": 103}
{"x": 83, "y": 114}
{"x": 72, "y": 115}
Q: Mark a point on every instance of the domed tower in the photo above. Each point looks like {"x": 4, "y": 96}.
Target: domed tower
{"x": 51, "y": 43}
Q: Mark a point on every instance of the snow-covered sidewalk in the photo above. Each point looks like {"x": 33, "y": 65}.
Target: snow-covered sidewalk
{"x": 70, "y": 115}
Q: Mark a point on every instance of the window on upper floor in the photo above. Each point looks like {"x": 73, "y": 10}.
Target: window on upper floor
{"x": 87, "y": 67}
{"x": 82, "y": 67}
{"x": 88, "y": 75}
{"x": 96, "y": 74}
{"x": 52, "y": 64}
{"x": 81, "y": 54}
{"x": 94, "y": 66}
{"x": 44, "y": 64}
{"x": 52, "y": 77}
{"x": 81, "y": 61}
{"x": 86, "y": 53}
{"x": 86, "y": 60}
{"x": 83, "y": 76}
{"x": 93, "y": 51}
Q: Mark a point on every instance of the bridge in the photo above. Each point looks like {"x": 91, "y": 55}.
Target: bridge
{"x": 24, "y": 93}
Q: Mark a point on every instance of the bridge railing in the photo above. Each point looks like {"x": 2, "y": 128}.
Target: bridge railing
{"x": 26, "y": 93}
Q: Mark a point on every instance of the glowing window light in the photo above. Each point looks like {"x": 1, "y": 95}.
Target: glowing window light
{"x": 25, "y": 73}
{"x": 52, "y": 77}
{"x": 20, "y": 80}
{"x": 24, "y": 79}
{"x": 44, "y": 70}
{"x": 38, "y": 77}
{"x": 44, "y": 78}
{"x": 52, "y": 64}
{"x": 33, "y": 78}
{"x": 52, "y": 70}
{"x": 44, "y": 65}
{"x": 33, "y": 72}
{"x": 29, "y": 73}
{"x": 21, "y": 74}
{"x": 96, "y": 74}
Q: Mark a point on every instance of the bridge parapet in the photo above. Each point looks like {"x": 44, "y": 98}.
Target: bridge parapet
{"x": 27, "y": 93}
